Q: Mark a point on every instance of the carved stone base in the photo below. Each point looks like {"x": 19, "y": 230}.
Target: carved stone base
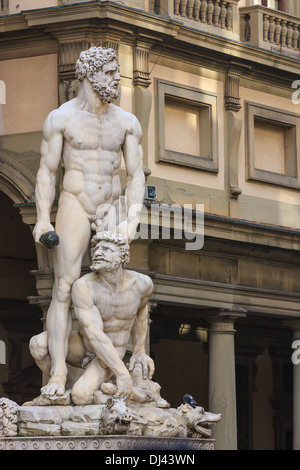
{"x": 114, "y": 418}
{"x": 109, "y": 426}
{"x": 120, "y": 443}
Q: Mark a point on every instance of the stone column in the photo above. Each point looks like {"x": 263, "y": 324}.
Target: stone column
{"x": 294, "y": 325}
{"x": 222, "y": 391}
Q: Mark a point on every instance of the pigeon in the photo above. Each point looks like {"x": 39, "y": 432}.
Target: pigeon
{"x": 189, "y": 400}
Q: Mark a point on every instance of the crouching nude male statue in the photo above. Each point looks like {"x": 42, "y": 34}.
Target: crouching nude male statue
{"x": 89, "y": 134}
{"x": 111, "y": 304}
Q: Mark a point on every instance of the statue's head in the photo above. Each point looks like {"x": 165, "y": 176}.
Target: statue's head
{"x": 109, "y": 251}
{"x": 100, "y": 67}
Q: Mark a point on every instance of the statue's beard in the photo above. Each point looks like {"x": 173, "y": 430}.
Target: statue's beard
{"x": 107, "y": 93}
{"x": 103, "y": 265}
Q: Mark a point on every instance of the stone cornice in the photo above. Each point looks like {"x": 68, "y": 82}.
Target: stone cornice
{"x": 104, "y": 10}
{"x": 173, "y": 290}
{"x": 226, "y": 228}
{"x": 134, "y": 22}
{"x": 12, "y": 23}
{"x": 222, "y": 228}
{"x": 239, "y": 52}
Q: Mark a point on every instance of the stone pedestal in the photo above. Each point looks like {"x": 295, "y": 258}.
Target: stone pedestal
{"x": 106, "y": 443}
{"x": 109, "y": 426}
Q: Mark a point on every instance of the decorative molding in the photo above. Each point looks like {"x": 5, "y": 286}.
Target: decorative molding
{"x": 111, "y": 15}
{"x": 141, "y": 73}
{"x": 209, "y": 295}
{"x": 4, "y": 7}
{"x": 105, "y": 443}
{"x": 222, "y": 321}
{"x": 234, "y": 130}
{"x": 232, "y": 93}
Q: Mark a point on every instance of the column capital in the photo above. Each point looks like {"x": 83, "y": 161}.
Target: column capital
{"x": 222, "y": 320}
{"x": 141, "y": 53}
{"x": 232, "y": 91}
{"x": 152, "y": 304}
{"x": 294, "y": 326}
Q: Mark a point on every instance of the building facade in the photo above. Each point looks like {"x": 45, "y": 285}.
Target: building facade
{"x": 215, "y": 86}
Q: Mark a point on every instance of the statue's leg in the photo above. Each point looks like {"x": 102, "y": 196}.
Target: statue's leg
{"x": 38, "y": 346}
{"x": 73, "y": 229}
{"x": 83, "y": 390}
{"x": 76, "y": 350}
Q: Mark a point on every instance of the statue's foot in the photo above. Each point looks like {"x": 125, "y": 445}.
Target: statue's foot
{"x": 109, "y": 388}
{"x": 55, "y": 387}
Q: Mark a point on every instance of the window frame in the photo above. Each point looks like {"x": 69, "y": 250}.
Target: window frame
{"x": 281, "y": 119}
{"x": 195, "y": 97}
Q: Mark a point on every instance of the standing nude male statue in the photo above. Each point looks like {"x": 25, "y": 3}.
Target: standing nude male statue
{"x": 90, "y": 134}
{"x": 110, "y": 303}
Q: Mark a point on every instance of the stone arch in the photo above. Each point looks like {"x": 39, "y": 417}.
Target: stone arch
{"x": 20, "y": 378}
{"x": 14, "y": 183}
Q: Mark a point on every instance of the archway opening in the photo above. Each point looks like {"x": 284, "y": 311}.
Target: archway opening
{"x": 20, "y": 378}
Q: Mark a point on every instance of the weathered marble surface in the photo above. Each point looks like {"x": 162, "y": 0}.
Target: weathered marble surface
{"x": 96, "y": 420}
{"x": 8, "y": 417}
{"x": 115, "y": 418}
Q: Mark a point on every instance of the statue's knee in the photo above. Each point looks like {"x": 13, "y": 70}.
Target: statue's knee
{"x": 81, "y": 395}
{"x": 38, "y": 346}
{"x": 63, "y": 291}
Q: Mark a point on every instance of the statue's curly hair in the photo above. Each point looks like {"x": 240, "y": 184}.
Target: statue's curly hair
{"x": 92, "y": 60}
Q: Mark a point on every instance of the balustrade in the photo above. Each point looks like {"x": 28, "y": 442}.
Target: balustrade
{"x": 215, "y": 13}
{"x": 270, "y": 29}
{"x": 3, "y": 6}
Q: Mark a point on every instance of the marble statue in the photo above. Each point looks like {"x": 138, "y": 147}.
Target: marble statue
{"x": 198, "y": 420}
{"x": 115, "y": 417}
{"x": 110, "y": 303}
{"x": 89, "y": 134}
{"x": 113, "y": 395}
{"x": 8, "y": 418}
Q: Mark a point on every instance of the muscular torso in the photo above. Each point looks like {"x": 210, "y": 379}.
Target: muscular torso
{"x": 92, "y": 153}
{"x": 118, "y": 310}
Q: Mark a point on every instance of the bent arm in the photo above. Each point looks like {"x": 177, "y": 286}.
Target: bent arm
{"x": 90, "y": 320}
{"x": 135, "y": 184}
{"x": 51, "y": 150}
{"x": 139, "y": 331}
{"x": 139, "y": 335}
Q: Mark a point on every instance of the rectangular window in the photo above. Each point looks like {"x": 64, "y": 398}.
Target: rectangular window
{"x": 272, "y": 143}
{"x": 186, "y": 132}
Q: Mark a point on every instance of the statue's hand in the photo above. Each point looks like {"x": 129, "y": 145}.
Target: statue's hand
{"x": 146, "y": 362}
{"x": 128, "y": 229}
{"x": 40, "y": 229}
{"x": 124, "y": 384}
